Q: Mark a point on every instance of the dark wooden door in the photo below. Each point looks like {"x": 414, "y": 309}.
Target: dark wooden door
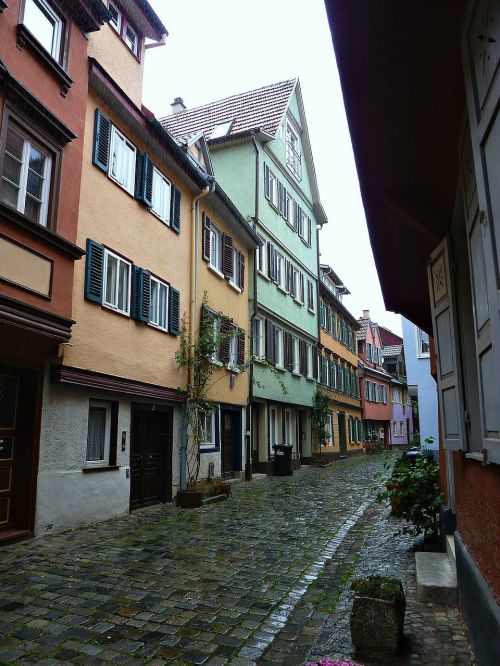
{"x": 228, "y": 443}
{"x": 9, "y": 392}
{"x": 342, "y": 434}
{"x": 150, "y": 456}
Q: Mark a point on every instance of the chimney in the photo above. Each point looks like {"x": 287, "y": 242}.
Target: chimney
{"x": 366, "y": 314}
{"x": 178, "y": 105}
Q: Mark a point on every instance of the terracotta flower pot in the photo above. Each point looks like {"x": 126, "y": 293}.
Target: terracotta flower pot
{"x": 188, "y": 499}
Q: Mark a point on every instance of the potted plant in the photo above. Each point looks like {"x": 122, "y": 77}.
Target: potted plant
{"x": 377, "y": 616}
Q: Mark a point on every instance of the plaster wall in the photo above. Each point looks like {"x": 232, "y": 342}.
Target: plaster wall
{"x": 402, "y": 413}
{"x": 103, "y": 340}
{"x": 334, "y": 446}
{"x": 418, "y": 372}
{"x": 68, "y": 497}
{"x": 111, "y": 52}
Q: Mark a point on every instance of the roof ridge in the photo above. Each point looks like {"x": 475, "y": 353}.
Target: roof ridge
{"x": 179, "y": 114}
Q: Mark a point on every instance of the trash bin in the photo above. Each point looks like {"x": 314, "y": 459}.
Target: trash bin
{"x": 282, "y": 460}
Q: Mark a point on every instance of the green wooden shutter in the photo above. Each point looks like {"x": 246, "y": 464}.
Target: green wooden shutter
{"x": 144, "y": 180}
{"x": 266, "y": 181}
{"x": 141, "y": 294}
{"x": 94, "y": 271}
{"x": 102, "y": 141}
{"x": 174, "y": 314}
{"x": 175, "y": 209}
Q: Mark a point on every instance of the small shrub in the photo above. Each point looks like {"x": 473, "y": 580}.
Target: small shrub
{"x": 213, "y": 487}
{"x": 379, "y": 587}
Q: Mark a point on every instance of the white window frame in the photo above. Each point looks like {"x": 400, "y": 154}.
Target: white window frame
{"x": 258, "y": 337}
{"x": 261, "y": 258}
{"x": 161, "y": 200}
{"x": 310, "y": 360}
{"x": 207, "y": 445}
{"x": 235, "y": 278}
{"x": 310, "y": 296}
{"x": 117, "y": 27}
{"x": 161, "y": 285}
{"x": 272, "y": 186}
{"x": 24, "y": 172}
{"x": 215, "y": 260}
{"x": 52, "y": 16}
{"x": 104, "y": 462}
{"x": 329, "y": 429}
{"x": 215, "y": 323}
{"x": 420, "y": 343}
{"x": 288, "y": 434}
{"x": 280, "y": 271}
{"x": 295, "y": 356}
{"x": 119, "y": 178}
{"x": 112, "y": 306}
{"x": 134, "y": 48}
{"x": 293, "y": 154}
{"x": 278, "y": 342}
{"x": 233, "y": 348}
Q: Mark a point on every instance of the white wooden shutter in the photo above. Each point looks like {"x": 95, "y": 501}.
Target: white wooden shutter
{"x": 445, "y": 338}
{"x": 481, "y": 56}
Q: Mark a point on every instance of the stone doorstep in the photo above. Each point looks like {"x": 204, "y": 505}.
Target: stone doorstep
{"x": 436, "y": 581}
{"x": 450, "y": 551}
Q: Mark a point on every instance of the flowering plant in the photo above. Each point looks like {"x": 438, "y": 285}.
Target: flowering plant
{"x": 332, "y": 662}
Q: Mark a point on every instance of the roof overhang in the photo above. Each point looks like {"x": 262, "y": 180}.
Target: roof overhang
{"x": 401, "y": 76}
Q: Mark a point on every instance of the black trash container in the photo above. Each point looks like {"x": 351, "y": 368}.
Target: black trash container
{"x": 282, "y": 460}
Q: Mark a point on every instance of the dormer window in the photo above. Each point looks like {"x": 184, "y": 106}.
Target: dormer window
{"x": 221, "y": 130}
{"x": 44, "y": 24}
{"x": 121, "y": 25}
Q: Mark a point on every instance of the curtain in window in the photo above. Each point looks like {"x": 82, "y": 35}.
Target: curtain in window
{"x": 96, "y": 434}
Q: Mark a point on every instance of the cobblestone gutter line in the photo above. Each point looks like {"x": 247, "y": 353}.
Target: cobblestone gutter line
{"x": 255, "y": 648}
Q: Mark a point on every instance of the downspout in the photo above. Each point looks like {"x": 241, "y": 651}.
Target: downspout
{"x": 192, "y": 305}
{"x": 248, "y": 466}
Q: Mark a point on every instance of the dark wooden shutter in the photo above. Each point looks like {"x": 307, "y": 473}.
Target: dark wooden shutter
{"x": 141, "y": 293}
{"x": 102, "y": 141}
{"x": 175, "y": 209}
{"x": 309, "y": 231}
{"x": 205, "y": 238}
{"x": 266, "y": 181}
{"x": 227, "y": 256}
{"x": 270, "y": 352}
{"x": 144, "y": 179}
{"x": 315, "y": 365}
{"x": 302, "y": 289}
{"x": 241, "y": 276}
{"x": 295, "y": 217}
{"x": 288, "y": 342}
{"x": 174, "y": 315}
{"x": 94, "y": 271}
{"x": 225, "y": 341}
{"x": 241, "y": 346}
{"x": 303, "y": 357}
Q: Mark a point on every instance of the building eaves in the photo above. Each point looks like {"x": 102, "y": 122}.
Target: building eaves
{"x": 252, "y": 237}
{"x": 339, "y": 306}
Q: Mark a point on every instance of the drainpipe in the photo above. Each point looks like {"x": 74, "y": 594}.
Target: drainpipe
{"x": 248, "y": 466}
{"x": 192, "y": 305}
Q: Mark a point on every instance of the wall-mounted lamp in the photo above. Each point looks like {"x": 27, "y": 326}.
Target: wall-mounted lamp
{"x": 232, "y": 380}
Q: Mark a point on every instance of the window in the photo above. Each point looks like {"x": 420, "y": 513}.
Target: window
{"x": 423, "y": 344}
{"x": 131, "y": 39}
{"x": 278, "y": 346}
{"x": 280, "y": 271}
{"x": 161, "y": 196}
{"x": 310, "y": 295}
{"x": 116, "y": 17}
{"x": 295, "y": 355}
{"x": 222, "y": 129}
{"x": 401, "y": 428}
{"x": 158, "y": 307}
{"x": 116, "y": 285}
{"x": 293, "y": 156}
{"x": 122, "y": 163}
{"x": 99, "y": 433}
{"x": 26, "y": 176}
{"x": 44, "y": 24}
{"x": 329, "y": 430}
{"x": 261, "y": 256}
{"x": 258, "y": 337}
{"x": 309, "y": 361}
{"x": 233, "y": 348}
{"x": 395, "y": 428}
{"x": 235, "y": 279}
{"x": 207, "y": 426}
{"x": 270, "y": 185}
{"x": 215, "y": 248}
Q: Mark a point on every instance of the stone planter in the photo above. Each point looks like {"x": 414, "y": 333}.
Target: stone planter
{"x": 188, "y": 499}
{"x": 377, "y": 624}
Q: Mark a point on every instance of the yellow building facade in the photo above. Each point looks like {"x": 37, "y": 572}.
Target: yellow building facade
{"x": 338, "y": 369}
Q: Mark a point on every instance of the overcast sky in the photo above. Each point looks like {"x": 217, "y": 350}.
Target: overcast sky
{"x": 225, "y": 47}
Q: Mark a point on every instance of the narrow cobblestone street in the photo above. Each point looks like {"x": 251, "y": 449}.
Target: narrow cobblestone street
{"x": 260, "y": 578}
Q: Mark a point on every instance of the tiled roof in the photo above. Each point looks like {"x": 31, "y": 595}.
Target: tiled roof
{"x": 256, "y": 109}
{"x": 392, "y": 350}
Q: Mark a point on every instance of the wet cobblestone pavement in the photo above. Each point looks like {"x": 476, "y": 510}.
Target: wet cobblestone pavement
{"x": 257, "y": 578}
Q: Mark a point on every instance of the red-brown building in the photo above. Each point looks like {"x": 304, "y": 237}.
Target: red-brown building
{"x": 43, "y": 93}
{"x": 375, "y": 383}
{"x": 428, "y": 159}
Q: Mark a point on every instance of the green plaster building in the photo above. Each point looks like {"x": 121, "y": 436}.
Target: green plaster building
{"x": 261, "y": 156}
